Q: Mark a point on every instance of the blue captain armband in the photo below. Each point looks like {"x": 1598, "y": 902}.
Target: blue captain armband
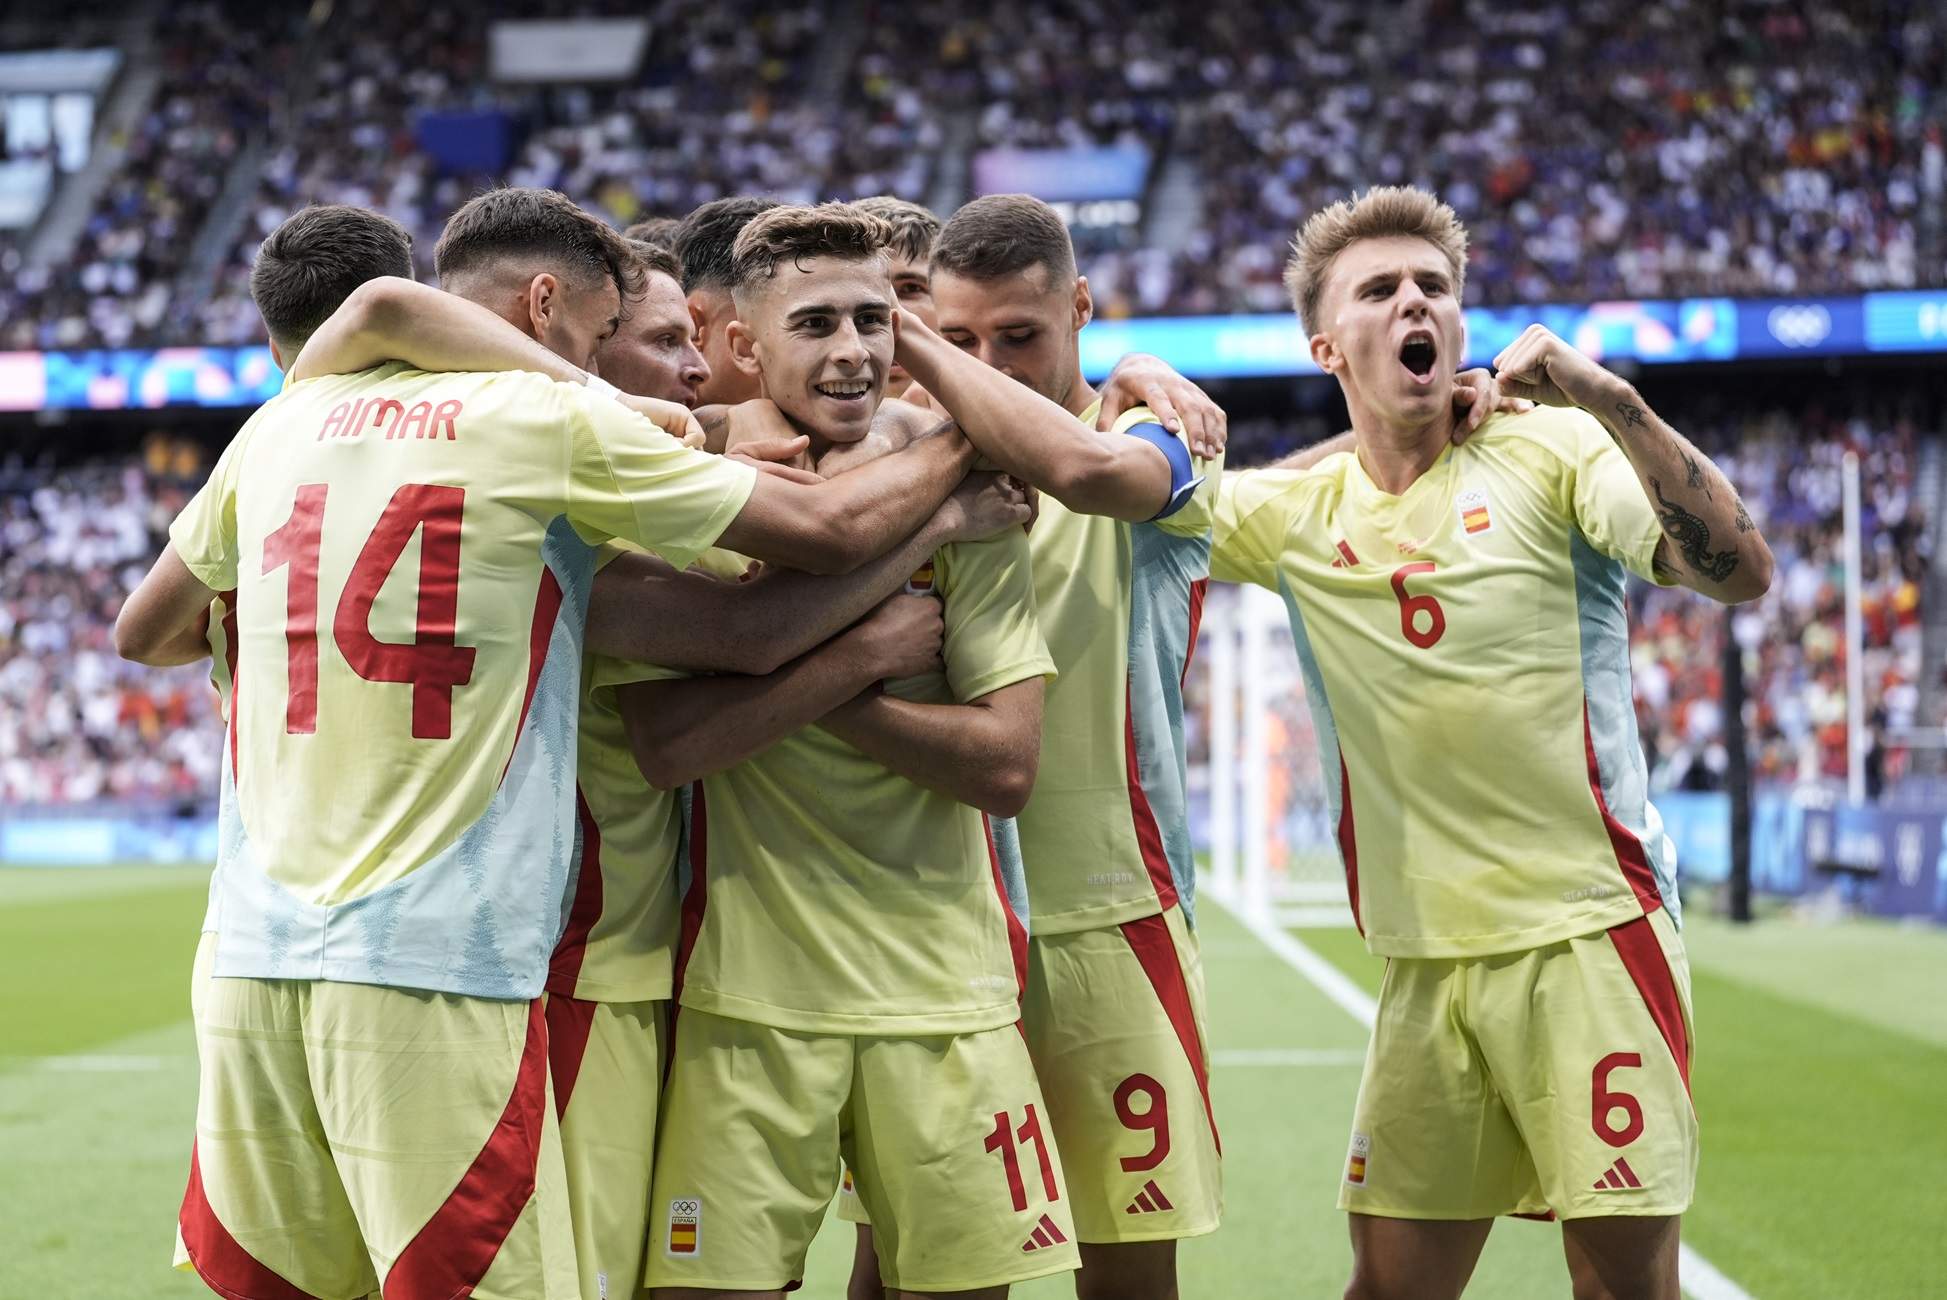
{"x": 1183, "y": 475}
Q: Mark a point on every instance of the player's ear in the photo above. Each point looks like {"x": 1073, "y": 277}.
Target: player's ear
{"x": 543, "y": 294}
{"x": 1325, "y": 353}
{"x": 1084, "y": 302}
{"x": 277, "y": 355}
{"x": 743, "y": 348}
{"x": 697, "y": 318}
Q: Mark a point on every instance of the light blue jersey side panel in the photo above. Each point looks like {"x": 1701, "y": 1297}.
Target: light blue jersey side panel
{"x": 1604, "y": 622}
{"x": 1167, "y": 577}
{"x": 482, "y": 916}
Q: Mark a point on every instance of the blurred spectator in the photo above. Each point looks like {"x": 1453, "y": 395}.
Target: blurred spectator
{"x": 78, "y": 723}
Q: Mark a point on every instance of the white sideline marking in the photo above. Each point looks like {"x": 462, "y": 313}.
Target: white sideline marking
{"x": 1286, "y": 1056}
{"x": 1701, "y": 1279}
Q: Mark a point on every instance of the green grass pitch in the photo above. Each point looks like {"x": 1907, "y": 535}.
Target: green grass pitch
{"x": 1821, "y": 1078}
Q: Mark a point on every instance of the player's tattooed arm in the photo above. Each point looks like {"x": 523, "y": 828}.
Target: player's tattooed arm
{"x": 394, "y": 319}
{"x": 683, "y": 730}
{"x": 1709, "y": 542}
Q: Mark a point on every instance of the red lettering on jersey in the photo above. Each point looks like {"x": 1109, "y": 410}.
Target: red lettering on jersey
{"x": 334, "y": 423}
{"x": 378, "y": 415}
{"x": 445, "y": 414}
{"x": 416, "y": 420}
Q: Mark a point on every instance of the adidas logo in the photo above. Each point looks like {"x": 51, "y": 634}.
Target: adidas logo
{"x": 1619, "y": 1178}
{"x": 1046, "y": 1234}
{"x": 1150, "y": 1200}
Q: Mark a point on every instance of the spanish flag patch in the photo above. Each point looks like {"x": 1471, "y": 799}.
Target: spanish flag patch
{"x": 1474, "y": 516}
{"x": 685, "y": 1226}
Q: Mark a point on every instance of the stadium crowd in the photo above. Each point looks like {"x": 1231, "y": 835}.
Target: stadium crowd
{"x": 1791, "y": 152}
{"x": 77, "y": 722}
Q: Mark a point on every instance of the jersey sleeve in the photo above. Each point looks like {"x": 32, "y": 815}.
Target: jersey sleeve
{"x": 1607, "y": 499}
{"x": 1194, "y": 517}
{"x": 993, "y": 637}
{"x": 205, "y": 533}
{"x": 629, "y": 479}
{"x": 1254, "y": 511}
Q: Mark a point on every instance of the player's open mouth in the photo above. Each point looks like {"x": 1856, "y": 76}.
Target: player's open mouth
{"x": 845, "y": 390}
{"x": 1417, "y": 354}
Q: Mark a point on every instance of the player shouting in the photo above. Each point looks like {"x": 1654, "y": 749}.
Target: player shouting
{"x": 1458, "y": 614}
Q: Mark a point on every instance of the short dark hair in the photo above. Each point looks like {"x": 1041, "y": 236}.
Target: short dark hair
{"x": 1002, "y": 234}
{"x": 655, "y": 258}
{"x": 706, "y": 240}
{"x": 544, "y": 225}
{"x": 914, "y": 228}
{"x": 655, "y": 230}
{"x": 312, "y": 262}
{"x": 788, "y": 234}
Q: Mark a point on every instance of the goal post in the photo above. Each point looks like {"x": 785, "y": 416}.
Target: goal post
{"x": 1268, "y": 828}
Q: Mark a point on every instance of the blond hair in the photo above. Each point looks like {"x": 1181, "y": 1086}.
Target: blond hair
{"x": 793, "y": 232}
{"x": 1384, "y": 212}
{"x": 914, "y": 228}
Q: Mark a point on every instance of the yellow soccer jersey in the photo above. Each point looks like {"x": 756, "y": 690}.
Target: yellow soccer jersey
{"x": 1105, "y": 838}
{"x": 411, "y": 554}
{"x": 620, "y": 940}
{"x": 1466, "y": 658}
{"x": 827, "y": 894}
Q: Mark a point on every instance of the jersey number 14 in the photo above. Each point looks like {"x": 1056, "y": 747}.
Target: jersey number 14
{"x": 430, "y": 662}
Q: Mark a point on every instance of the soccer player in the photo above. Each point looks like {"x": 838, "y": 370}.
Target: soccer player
{"x": 914, "y": 229}
{"x": 1459, "y": 619}
{"x": 850, "y": 975}
{"x": 703, "y": 244}
{"x": 1114, "y": 1008}
{"x": 653, "y": 353}
{"x": 396, "y": 871}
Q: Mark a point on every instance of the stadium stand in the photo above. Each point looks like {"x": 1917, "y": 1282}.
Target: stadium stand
{"x": 1794, "y": 152}
{"x": 79, "y": 724}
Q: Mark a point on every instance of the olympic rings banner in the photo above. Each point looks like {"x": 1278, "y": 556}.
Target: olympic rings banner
{"x": 1650, "y": 332}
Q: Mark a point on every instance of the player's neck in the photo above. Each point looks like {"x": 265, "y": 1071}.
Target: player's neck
{"x": 1394, "y": 456}
{"x": 1081, "y": 396}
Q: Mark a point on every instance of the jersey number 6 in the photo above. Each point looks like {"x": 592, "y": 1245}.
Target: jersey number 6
{"x": 430, "y": 662}
{"x": 1411, "y": 607}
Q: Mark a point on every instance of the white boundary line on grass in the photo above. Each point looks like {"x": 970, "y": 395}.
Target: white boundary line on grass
{"x": 1701, "y": 1279}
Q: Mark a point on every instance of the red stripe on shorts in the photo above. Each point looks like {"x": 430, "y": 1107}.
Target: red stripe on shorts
{"x": 1642, "y": 956}
{"x": 225, "y": 1266}
{"x": 570, "y": 1020}
{"x": 1149, "y": 836}
{"x": 1628, "y": 849}
{"x": 455, "y": 1248}
{"x": 1154, "y": 946}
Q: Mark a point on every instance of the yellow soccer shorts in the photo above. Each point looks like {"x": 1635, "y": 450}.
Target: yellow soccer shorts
{"x": 605, "y": 1060}
{"x": 947, "y": 1135}
{"x": 1115, "y": 1022}
{"x": 1549, "y": 1081}
{"x": 352, "y": 1138}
